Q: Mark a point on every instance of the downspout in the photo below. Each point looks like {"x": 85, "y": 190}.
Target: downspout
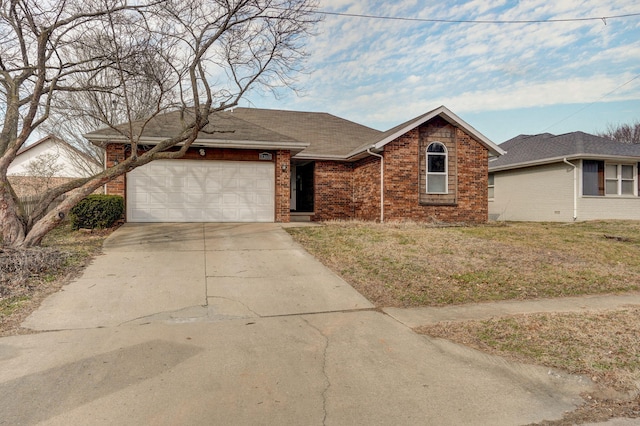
{"x": 381, "y": 182}
{"x": 575, "y": 188}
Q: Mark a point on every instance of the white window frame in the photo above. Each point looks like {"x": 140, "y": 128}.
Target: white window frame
{"x": 619, "y": 179}
{"x": 446, "y": 167}
{"x": 491, "y": 186}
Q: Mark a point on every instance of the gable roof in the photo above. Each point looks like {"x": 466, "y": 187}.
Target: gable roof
{"x": 446, "y": 114}
{"x": 310, "y": 135}
{"x": 60, "y": 142}
{"x": 546, "y": 148}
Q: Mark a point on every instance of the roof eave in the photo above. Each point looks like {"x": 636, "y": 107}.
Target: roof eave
{"x": 552, "y": 160}
{"x": 450, "y": 117}
{"x": 294, "y": 147}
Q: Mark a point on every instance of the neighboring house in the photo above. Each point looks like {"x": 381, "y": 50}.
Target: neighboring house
{"x": 277, "y": 166}
{"x": 575, "y": 176}
{"x": 47, "y": 163}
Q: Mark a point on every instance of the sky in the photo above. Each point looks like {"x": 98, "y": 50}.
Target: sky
{"x": 502, "y": 79}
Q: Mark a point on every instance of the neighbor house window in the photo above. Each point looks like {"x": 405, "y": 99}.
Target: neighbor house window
{"x": 600, "y": 178}
{"x": 491, "y": 185}
{"x": 592, "y": 177}
{"x": 619, "y": 179}
{"x": 436, "y": 168}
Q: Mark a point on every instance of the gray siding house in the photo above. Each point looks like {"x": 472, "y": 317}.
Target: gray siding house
{"x": 562, "y": 178}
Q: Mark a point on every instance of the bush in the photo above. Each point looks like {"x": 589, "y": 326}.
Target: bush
{"x": 97, "y": 211}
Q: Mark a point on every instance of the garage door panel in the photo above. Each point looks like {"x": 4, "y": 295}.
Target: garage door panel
{"x": 201, "y": 191}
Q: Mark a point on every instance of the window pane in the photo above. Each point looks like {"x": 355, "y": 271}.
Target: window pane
{"x": 436, "y": 163}
{"x": 591, "y": 178}
{"x": 627, "y": 187}
{"x": 491, "y": 178}
{"x": 491, "y": 189}
{"x": 612, "y": 187}
{"x": 436, "y": 183}
{"x": 436, "y": 147}
{"x": 611, "y": 171}
{"x": 627, "y": 172}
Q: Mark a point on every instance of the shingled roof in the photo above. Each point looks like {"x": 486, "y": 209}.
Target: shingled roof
{"x": 311, "y": 135}
{"x": 545, "y": 148}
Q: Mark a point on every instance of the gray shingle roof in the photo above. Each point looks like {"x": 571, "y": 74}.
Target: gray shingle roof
{"x": 529, "y": 150}
{"x": 317, "y": 135}
{"x": 328, "y": 135}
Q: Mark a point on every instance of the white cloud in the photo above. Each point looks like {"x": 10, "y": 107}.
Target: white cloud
{"x": 382, "y": 72}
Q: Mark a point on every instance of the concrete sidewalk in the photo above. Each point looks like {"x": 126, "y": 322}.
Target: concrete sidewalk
{"x": 237, "y": 324}
{"x": 415, "y": 317}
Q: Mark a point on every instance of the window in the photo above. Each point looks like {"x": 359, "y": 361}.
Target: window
{"x": 491, "y": 185}
{"x": 592, "y": 177}
{"x": 600, "y": 178}
{"x": 619, "y": 179}
{"x": 437, "y": 169}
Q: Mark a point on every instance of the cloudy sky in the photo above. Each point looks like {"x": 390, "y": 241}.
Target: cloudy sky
{"x": 504, "y": 79}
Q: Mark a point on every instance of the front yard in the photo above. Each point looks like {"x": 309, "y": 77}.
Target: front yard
{"x": 410, "y": 265}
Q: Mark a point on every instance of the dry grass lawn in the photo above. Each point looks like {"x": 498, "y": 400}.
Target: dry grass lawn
{"x": 406, "y": 265}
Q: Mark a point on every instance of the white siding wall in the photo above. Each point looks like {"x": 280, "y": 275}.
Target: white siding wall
{"x": 541, "y": 193}
{"x": 71, "y": 165}
{"x": 597, "y": 208}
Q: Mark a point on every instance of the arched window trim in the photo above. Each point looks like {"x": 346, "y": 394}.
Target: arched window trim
{"x": 444, "y": 173}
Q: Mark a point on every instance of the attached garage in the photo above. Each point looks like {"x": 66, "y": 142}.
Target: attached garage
{"x": 201, "y": 191}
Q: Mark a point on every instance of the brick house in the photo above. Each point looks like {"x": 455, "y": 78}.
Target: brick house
{"x": 270, "y": 165}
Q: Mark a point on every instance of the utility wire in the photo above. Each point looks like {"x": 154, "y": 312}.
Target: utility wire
{"x": 592, "y": 103}
{"x": 481, "y": 21}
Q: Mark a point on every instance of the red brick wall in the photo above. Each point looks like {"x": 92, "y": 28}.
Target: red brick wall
{"x": 116, "y": 152}
{"x": 283, "y": 186}
{"x": 366, "y": 191}
{"x": 333, "y": 191}
{"x": 345, "y": 191}
{"x": 473, "y": 175}
{"x": 402, "y": 172}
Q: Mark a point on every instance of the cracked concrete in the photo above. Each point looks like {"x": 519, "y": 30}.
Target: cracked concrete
{"x": 236, "y": 324}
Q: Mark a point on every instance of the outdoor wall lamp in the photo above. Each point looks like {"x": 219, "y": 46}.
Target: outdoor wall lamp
{"x": 202, "y": 152}
{"x": 284, "y": 167}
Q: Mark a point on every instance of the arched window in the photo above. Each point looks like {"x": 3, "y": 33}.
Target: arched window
{"x": 437, "y": 169}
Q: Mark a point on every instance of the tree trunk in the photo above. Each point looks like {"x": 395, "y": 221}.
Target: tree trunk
{"x": 13, "y": 229}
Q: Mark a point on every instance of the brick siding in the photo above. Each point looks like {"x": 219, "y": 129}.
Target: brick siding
{"x": 366, "y": 191}
{"x": 283, "y": 186}
{"x": 405, "y": 195}
{"x": 333, "y": 191}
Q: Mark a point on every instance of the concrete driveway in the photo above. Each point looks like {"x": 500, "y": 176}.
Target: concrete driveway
{"x": 203, "y": 324}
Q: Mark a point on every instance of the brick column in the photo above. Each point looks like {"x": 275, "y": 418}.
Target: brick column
{"x": 115, "y": 152}
{"x": 283, "y": 186}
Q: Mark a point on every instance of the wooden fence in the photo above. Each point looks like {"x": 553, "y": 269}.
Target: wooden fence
{"x": 29, "y": 203}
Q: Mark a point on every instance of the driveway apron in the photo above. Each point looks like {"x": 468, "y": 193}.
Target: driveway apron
{"x": 235, "y": 324}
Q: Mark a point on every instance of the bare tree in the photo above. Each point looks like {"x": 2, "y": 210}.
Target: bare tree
{"x": 199, "y": 56}
{"x": 44, "y": 168}
{"x": 626, "y": 133}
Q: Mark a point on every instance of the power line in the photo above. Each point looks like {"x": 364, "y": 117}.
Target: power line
{"x": 592, "y": 103}
{"x": 481, "y": 21}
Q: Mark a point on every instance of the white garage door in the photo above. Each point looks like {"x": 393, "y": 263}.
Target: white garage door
{"x": 201, "y": 191}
